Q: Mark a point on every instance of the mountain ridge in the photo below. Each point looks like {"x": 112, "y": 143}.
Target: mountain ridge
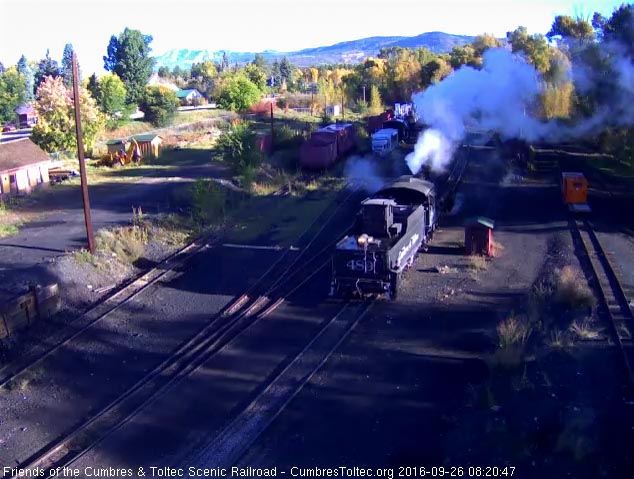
{"x": 350, "y": 51}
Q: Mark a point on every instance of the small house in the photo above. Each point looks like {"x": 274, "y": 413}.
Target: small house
{"x": 189, "y": 97}
{"x": 478, "y": 236}
{"x": 23, "y": 166}
{"x": 333, "y": 110}
{"x": 149, "y": 144}
{"x": 115, "y": 146}
{"x": 27, "y": 116}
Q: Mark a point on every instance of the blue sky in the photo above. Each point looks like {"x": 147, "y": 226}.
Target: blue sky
{"x": 31, "y": 26}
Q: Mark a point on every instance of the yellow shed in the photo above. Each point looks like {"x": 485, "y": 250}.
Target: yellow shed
{"x": 574, "y": 188}
{"x": 149, "y": 144}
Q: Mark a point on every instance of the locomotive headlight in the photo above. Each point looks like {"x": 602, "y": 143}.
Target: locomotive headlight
{"x": 362, "y": 240}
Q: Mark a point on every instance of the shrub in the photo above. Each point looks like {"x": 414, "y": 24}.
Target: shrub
{"x": 126, "y": 242}
{"x": 361, "y": 107}
{"x": 238, "y": 93}
{"x": 159, "y": 104}
{"x": 209, "y": 201}
{"x": 477, "y": 263}
{"x": 584, "y": 330}
{"x": 512, "y": 333}
{"x": 286, "y": 137}
{"x": 237, "y": 147}
{"x": 571, "y": 289}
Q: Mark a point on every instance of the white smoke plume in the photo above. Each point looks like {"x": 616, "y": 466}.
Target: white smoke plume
{"x": 501, "y": 98}
{"x": 498, "y": 97}
{"x": 363, "y": 172}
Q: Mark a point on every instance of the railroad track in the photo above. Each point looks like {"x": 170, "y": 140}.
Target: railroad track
{"x": 226, "y": 448}
{"x": 281, "y": 280}
{"x": 613, "y": 302}
{"x": 130, "y": 290}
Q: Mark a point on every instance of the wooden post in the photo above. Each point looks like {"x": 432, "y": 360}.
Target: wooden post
{"x": 272, "y": 131}
{"x": 343, "y": 112}
{"x": 80, "y": 155}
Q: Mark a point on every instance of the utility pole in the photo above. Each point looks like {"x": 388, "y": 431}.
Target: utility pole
{"x": 363, "y": 93}
{"x": 343, "y": 112}
{"x": 272, "y": 132}
{"x": 80, "y": 155}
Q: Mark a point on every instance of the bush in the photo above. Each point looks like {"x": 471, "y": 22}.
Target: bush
{"x": 361, "y": 107}
{"x": 238, "y": 93}
{"x": 237, "y": 147}
{"x": 126, "y": 242}
{"x": 571, "y": 289}
{"x": 159, "y": 104}
{"x": 512, "y": 333}
{"x": 209, "y": 201}
{"x": 286, "y": 137}
{"x": 326, "y": 119}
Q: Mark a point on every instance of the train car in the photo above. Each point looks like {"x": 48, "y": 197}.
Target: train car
{"x": 391, "y": 227}
{"x": 384, "y": 141}
{"x": 574, "y": 191}
{"x": 399, "y": 125}
{"x": 327, "y": 145}
{"x": 318, "y": 153}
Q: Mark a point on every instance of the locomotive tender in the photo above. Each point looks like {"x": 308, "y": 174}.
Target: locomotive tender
{"x": 390, "y": 229}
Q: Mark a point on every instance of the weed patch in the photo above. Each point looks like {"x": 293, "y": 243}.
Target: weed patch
{"x": 476, "y": 263}
{"x": 571, "y": 289}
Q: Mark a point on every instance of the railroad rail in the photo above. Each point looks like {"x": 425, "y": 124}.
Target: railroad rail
{"x": 226, "y": 448}
{"x": 281, "y": 280}
{"x": 613, "y": 302}
{"x": 133, "y": 288}
{"x": 284, "y": 277}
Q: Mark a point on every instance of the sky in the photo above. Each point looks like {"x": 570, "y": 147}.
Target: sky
{"x": 29, "y": 27}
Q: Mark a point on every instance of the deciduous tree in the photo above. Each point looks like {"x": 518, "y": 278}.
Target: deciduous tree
{"x": 238, "y": 93}
{"x": 159, "y": 104}
{"x": 55, "y": 129}
{"x": 13, "y": 93}
{"x": 112, "y": 97}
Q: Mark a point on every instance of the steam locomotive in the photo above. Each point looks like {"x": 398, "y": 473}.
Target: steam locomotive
{"x": 390, "y": 228}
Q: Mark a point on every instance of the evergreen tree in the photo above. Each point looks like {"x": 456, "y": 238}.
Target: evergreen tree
{"x": 25, "y": 69}
{"x": 129, "y": 57}
{"x": 225, "y": 62}
{"x": 93, "y": 87}
{"x": 260, "y": 62}
{"x": 47, "y": 67}
{"x": 67, "y": 66}
{"x": 286, "y": 71}
{"x": 2, "y": 69}
{"x": 376, "y": 105}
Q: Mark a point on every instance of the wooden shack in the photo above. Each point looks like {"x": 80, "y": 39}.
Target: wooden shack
{"x": 149, "y": 144}
{"x": 115, "y": 146}
{"x": 23, "y": 166}
{"x": 27, "y": 116}
{"x": 478, "y": 236}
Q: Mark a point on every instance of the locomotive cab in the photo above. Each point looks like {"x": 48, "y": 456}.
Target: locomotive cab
{"x": 390, "y": 228}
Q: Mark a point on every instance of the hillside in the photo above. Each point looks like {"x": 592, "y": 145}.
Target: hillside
{"x": 345, "y": 52}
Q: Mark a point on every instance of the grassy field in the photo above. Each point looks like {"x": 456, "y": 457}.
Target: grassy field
{"x": 279, "y": 220}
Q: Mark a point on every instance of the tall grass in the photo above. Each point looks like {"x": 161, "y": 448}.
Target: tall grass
{"x": 571, "y": 289}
